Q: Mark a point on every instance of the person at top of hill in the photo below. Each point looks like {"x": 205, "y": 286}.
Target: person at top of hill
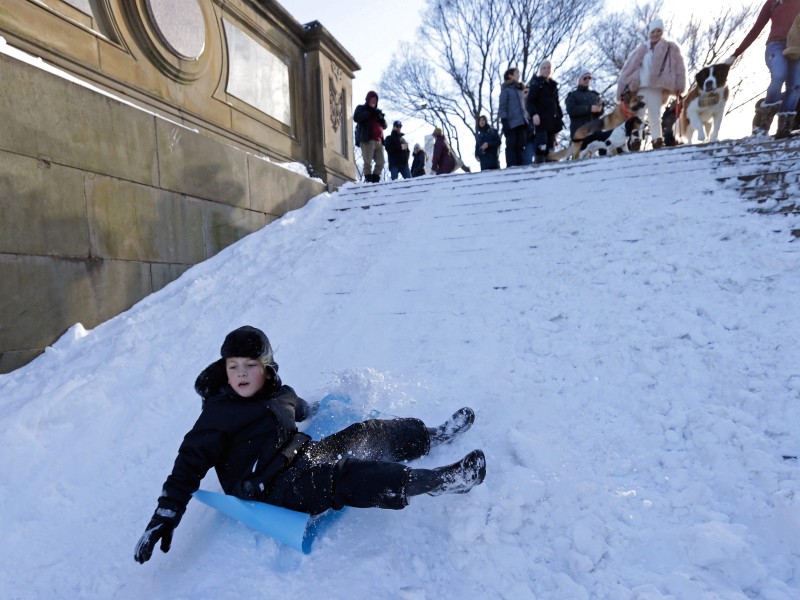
{"x": 513, "y": 117}
{"x": 655, "y": 70}
{"x": 247, "y": 432}
{"x": 583, "y": 104}
{"x": 442, "y": 159}
{"x": 371, "y": 123}
{"x": 397, "y": 149}
{"x": 418, "y": 164}
{"x": 783, "y": 62}
{"x": 545, "y": 110}
{"x": 487, "y": 145}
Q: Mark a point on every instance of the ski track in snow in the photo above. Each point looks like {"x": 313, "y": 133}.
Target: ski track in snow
{"x": 627, "y": 339}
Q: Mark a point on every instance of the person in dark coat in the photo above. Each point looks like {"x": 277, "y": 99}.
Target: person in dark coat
{"x": 371, "y": 123}
{"x": 397, "y": 149}
{"x": 545, "y": 111}
{"x": 487, "y": 145}
{"x": 442, "y": 161}
{"x": 247, "y": 433}
{"x": 583, "y": 104}
{"x": 418, "y": 164}
{"x": 513, "y": 116}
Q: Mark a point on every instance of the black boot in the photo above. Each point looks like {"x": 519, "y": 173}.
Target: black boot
{"x": 458, "y": 478}
{"x": 445, "y": 433}
{"x": 785, "y": 123}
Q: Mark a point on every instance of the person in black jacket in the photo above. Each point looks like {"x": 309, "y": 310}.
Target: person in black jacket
{"x": 583, "y": 104}
{"x": 487, "y": 145}
{"x": 247, "y": 433}
{"x": 370, "y": 124}
{"x": 546, "y": 115}
{"x": 397, "y": 149}
{"x": 418, "y": 164}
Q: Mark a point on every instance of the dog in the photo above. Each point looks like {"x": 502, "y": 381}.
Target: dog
{"x": 704, "y": 105}
{"x": 630, "y": 106}
{"x": 612, "y": 141}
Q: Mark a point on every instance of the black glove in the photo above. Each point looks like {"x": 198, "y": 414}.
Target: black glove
{"x": 160, "y": 527}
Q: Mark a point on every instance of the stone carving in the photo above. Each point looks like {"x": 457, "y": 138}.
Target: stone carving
{"x": 336, "y": 104}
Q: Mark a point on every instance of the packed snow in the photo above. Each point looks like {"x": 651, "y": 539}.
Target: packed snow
{"x": 626, "y": 333}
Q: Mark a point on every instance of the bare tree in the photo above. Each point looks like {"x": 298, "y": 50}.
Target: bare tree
{"x": 454, "y": 73}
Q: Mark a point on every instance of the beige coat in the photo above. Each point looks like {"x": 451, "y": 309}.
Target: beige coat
{"x": 668, "y": 71}
{"x": 792, "y": 51}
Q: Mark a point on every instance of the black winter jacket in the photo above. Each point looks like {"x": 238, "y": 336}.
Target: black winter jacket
{"x": 542, "y": 100}
{"x": 418, "y": 164}
{"x": 489, "y": 157}
{"x": 372, "y": 122}
{"x": 394, "y": 149}
{"x": 242, "y": 438}
{"x": 579, "y": 107}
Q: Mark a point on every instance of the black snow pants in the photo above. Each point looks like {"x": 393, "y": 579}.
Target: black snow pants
{"x": 358, "y": 466}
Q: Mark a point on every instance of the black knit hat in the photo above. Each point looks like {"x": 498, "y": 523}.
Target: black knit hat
{"x": 248, "y": 342}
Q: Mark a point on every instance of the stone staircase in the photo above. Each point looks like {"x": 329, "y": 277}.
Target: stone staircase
{"x": 762, "y": 171}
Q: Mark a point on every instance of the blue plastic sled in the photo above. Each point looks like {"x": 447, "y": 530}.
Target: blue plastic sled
{"x": 293, "y": 528}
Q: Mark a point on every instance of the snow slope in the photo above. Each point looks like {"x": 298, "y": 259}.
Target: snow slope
{"x": 627, "y": 334}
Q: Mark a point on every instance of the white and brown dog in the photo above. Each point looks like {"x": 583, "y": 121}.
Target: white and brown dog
{"x": 704, "y": 105}
{"x": 612, "y": 141}
{"x": 630, "y": 106}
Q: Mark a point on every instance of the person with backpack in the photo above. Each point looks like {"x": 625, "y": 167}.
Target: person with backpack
{"x": 370, "y": 124}
{"x": 247, "y": 432}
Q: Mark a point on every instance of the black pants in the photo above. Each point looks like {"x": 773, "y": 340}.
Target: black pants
{"x": 543, "y": 141}
{"x": 515, "y": 145}
{"x": 358, "y": 466}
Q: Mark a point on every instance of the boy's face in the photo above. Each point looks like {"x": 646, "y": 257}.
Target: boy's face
{"x": 245, "y": 375}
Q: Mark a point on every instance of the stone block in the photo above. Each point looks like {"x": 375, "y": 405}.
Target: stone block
{"x": 200, "y": 166}
{"x": 129, "y": 221}
{"x": 43, "y": 208}
{"x": 275, "y": 190}
{"x": 225, "y": 225}
{"x": 68, "y": 124}
{"x": 41, "y": 297}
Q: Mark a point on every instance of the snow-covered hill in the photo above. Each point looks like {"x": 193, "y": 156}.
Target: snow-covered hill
{"x": 626, "y": 330}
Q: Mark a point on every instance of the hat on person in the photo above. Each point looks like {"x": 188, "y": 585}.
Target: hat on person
{"x": 656, "y": 24}
{"x": 248, "y": 342}
{"x": 372, "y": 94}
{"x": 437, "y": 131}
{"x": 417, "y": 147}
{"x": 244, "y": 342}
{"x": 583, "y": 73}
{"x": 398, "y": 124}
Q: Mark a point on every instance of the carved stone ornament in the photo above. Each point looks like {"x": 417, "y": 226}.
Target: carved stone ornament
{"x": 337, "y": 104}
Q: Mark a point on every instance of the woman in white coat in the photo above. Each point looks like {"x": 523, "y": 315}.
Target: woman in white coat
{"x": 656, "y": 71}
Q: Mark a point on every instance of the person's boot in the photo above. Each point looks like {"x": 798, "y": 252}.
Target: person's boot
{"x": 368, "y": 178}
{"x": 539, "y": 159}
{"x": 376, "y": 178}
{"x": 458, "y": 478}
{"x": 785, "y": 123}
{"x": 658, "y": 143}
{"x": 762, "y": 121}
{"x": 445, "y": 433}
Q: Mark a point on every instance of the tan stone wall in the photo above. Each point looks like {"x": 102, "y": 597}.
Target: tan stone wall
{"x": 102, "y": 203}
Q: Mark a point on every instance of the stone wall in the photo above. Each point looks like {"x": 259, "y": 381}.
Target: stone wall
{"x": 102, "y": 203}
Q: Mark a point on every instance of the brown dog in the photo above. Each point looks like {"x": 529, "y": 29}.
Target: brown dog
{"x": 629, "y": 106}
